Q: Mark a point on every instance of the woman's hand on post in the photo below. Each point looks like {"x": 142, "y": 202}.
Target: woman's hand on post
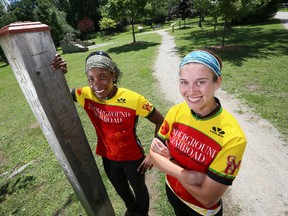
{"x": 59, "y": 63}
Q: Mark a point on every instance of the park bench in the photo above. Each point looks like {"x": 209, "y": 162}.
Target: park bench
{"x": 158, "y": 26}
{"x": 172, "y": 26}
{"x": 140, "y": 28}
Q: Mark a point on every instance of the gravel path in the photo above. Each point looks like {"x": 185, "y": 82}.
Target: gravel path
{"x": 284, "y": 18}
{"x": 261, "y": 187}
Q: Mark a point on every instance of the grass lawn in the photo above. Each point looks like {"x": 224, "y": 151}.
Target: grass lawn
{"x": 254, "y": 71}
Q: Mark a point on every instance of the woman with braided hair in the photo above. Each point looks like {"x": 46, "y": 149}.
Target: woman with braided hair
{"x": 114, "y": 113}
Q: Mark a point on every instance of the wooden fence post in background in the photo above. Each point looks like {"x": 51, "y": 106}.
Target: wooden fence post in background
{"x": 30, "y": 50}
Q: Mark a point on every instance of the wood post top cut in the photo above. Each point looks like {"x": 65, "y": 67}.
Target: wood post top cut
{"x": 23, "y": 27}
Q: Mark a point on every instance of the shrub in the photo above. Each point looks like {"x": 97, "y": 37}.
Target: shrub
{"x": 86, "y": 25}
{"x": 107, "y": 25}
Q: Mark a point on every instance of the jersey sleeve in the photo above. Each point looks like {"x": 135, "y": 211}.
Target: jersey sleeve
{"x": 226, "y": 165}
{"x": 144, "y": 107}
{"x": 81, "y": 94}
{"x": 166, "y": 127}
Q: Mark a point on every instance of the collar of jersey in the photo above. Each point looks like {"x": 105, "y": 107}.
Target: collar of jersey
{"x": 212, "y": 114}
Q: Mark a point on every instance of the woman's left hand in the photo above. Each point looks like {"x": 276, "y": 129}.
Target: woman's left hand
{"x": 59, "y": 63}
{"x": 145, "y": 165}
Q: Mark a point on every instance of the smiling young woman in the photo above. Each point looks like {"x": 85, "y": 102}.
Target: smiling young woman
{"x": 114, "y": 113}
{"x": 200, "y": 145}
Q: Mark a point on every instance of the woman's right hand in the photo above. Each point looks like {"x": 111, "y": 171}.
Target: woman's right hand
{"x": 59, "y": 63}
{"x": 158, "y": 147}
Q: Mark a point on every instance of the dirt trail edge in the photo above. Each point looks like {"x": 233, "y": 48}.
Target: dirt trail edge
{"x": 261, "y": 186}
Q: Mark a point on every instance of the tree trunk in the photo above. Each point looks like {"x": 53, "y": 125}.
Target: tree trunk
{"x": 132, "y": 18}
{"x": 215, "y": 24}
{"x": 224, "y": 34}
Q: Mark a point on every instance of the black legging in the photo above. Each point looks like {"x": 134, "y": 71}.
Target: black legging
{"x": 121, "y": 174}
{"x": 180, "y": 208}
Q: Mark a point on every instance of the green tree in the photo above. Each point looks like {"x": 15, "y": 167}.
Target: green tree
{"x": 260, "y": 13}
{"x": 235, "y": 10}
{"x": 155, "y": 11}
{"x": 77, "y": 10}
{"x": 123, "y": 10}
{"x": 208, "y": 7}
{"x": 23, "y": 10}
{"x": 229, "y": 10}
{"x": 5, "y": 19}
{"x": 38, "y": 10}
{"x": 2, "y": 12}
{"x": 184, "y": 10}
{"x": 107, "y": 25}
{"x": 48, "y": 14}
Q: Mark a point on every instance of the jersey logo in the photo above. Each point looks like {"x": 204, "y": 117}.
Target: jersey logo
{"x": 147, "y": 106}
{"x": 217, "y": 131}
{"x": 79, "y": 91}
{"x": 164, "y": 128}
{"x": 121, "y": 100}
{"x": 231, "y": 165}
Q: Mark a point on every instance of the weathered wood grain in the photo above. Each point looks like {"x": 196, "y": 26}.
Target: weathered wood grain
{"x": 30, "y": 50}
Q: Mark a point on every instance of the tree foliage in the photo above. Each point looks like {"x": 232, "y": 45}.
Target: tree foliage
{"x": 259, "y": 13}
{"x": 230, "y": 10}
{"x": 37, "y": 10}
{"x": 124, "y": 11}
{"x": 77, "y": 10}
{"x": 121, "y": 10}
{"x": 155, "y": 12}
{"x": 86, "y": 25}
{"x": 107, "y": 25}
{"x": 74, "y": 16}
{"x": 184, "y": 9}
{"x": 23, "y": 10}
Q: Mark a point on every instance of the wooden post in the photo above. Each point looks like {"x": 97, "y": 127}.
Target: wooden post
{"x": 30, "y": 50}
{"x": 172, "y": 25}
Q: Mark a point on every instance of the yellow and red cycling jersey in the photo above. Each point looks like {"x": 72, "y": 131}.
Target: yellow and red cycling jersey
{"x": 213, "y": 145}
{"x": 115, "y": 121}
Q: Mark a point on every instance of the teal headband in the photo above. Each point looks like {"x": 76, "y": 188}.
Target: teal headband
{"x": 202, "y": 57}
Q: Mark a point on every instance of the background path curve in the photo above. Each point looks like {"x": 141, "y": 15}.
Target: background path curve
{"x": 283, "y": 16}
